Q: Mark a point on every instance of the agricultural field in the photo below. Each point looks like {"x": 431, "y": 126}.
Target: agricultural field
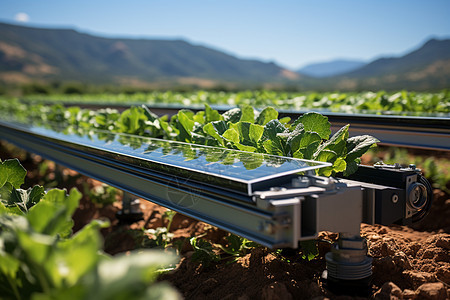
{"x": 402, "y": 102}
{"x": 409, "y": 261}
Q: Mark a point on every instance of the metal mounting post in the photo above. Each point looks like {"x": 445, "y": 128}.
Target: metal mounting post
{"x": 131, "y": 211}
{"x": 349, "y": 269}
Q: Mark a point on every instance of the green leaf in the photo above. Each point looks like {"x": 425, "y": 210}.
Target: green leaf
{"x": 24, "y": 199}
{"x": 249, "y": 134}
{"x": 12, "y": 171}
{"x": 219, "y": 126}
{"x": 150, "y": 115}
{"x": 37, "y": 246}
{"x": 255, "y": 133}
{"x": 352, "y": 167}
{"x": 215, "y": 130}
{"x": 84, "y": 244}
{"x": 285, "y": 120}
{"x": 53, "y": 214}
{"x": 315, "y": 122}
{"x": 248, "y": 114}
{"x": 271, "y": 129}
{"x": 131, "y": 120}
{"x": 129, "y": 276}
{"x": 237, "y": 246}
{"x": 187, "y": 125}
{"x": 266, "y": 115}
{"x": 299, "y": 154}
{"x": 358, "y": 145}
{"x": 48, "y": 218}
{"x": 309, "y": 249}
{"x": 9, "y": 265}
{"x": 3, "y": 208}
{"x": 273, "y": 147}
{"x": 308, "y": 151}
{"x": 339, "y": 165}
{"x": 203, "y": 251}
{"x": 338, "y": 142}
{"x": 303, "y": 139}
{"x": 170, "y": 131}
{"x": 70, "y": 200}
{"x": 212, "y": 114}
{"x": 340, "y": 135}
{"x": 243, "y": 128}
{"x": 326, "y": 156}
{"x": 271, "y": 142}
{"x": 35, "y": 195}
{"x": 199, "y": 117}
{"x": 233, "y": 115}
{"x": 231, "y": 135}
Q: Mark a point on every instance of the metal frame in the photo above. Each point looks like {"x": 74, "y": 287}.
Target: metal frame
{"x": 280, "y": 214}
{"x": 272, "y": 218}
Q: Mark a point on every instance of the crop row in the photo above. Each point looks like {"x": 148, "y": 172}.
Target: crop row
{"x": 365, "y": 102}
{"x": 244, "y": 128}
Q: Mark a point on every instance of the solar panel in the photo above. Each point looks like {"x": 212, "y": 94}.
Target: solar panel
{"x": 238, "y": 171}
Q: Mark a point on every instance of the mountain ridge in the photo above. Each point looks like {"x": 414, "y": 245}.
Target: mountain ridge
{"x": 425, "y": 68}
{"x": 330, "y": 68}
{"x": 30, "y": 54}
{"x": 430, "y": 51}
{"x": 72, "y": 55}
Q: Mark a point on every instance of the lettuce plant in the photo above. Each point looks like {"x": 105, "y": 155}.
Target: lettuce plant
{"x": 308, "y": 137}
{"x": 40, "y": 258}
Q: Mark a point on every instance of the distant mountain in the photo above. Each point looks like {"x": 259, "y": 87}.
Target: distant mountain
{"x": 331, "y": 68}
{"x": 28, "y": 53}
{"x": 428, "y": 67}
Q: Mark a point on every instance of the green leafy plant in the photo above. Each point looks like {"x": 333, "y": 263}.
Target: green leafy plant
{"x": 203, "y": 251}
{"x": 242, "y": 128}
{"x": 41, "y": 259}
{"x": 238, "y": 246}
{"x": 160, "y": 238}
{"x": 373, "y": 102}
{"x": 101, "y": 194}
{"x": 207, "y": 253}
{"x": 169, "y": 215}
{"x": 308, "y": 137}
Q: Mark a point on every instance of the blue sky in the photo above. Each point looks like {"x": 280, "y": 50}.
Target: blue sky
{"x": 290, "y": 33}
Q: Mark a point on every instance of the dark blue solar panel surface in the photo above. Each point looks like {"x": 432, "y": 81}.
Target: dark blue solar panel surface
{"x": 218, "y": 166}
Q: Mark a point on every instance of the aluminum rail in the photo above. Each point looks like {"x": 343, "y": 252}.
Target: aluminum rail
{"x": 420, "y": 132}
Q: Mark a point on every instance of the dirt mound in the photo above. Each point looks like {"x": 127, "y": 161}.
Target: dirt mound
{"x": 405, "y": 263}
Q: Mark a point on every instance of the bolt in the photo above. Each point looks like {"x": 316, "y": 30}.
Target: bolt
{"x": 394, "y": 198}
{"x": 269, "y": 228}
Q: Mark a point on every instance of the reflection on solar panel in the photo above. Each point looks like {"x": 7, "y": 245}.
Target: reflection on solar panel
{"x": 238, "y": 171}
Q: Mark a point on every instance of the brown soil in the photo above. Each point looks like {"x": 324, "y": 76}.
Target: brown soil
{"x": 405, "y": 259}
{"x": 408, "y": 262}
